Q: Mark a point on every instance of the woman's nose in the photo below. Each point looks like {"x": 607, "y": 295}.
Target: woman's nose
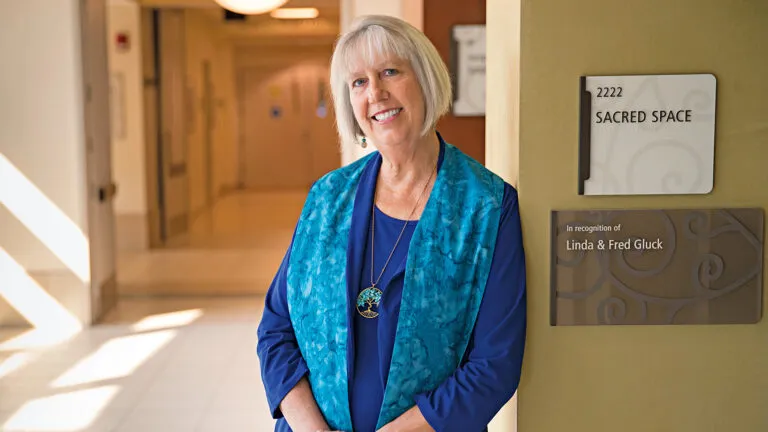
{"x": 376, "y": 92}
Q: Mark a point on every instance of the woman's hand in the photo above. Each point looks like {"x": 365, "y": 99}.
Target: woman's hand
{"x": 410, "y": 421}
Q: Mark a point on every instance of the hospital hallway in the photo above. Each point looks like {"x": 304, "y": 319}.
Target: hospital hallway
{"x": 181, "y": 359}
{"x": 231, "y": 248}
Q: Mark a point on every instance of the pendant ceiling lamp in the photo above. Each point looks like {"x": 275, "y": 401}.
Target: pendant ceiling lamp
{"x": 251, "y": 7}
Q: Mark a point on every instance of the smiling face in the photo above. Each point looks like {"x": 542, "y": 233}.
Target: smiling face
{"x": 387, "y": 101}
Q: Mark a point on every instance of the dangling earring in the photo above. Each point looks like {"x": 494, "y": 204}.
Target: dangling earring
{"x": 363, "y": 143}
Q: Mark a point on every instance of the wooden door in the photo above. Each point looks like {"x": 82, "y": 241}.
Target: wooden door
{"x": 319, "y": 121}
{"x": 288, "y": 137}
{"x": 173, "y": 179}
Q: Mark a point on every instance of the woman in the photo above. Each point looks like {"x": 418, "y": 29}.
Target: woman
{"x": 400, "y": 304}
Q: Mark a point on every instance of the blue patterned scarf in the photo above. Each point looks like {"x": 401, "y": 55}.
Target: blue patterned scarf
{"x": 448, "y": 262}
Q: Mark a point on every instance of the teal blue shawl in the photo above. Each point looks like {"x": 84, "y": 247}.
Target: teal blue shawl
{"x": 448, "y": 262}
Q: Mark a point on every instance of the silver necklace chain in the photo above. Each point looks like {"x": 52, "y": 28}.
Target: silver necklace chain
{"x": 373, "y": 226}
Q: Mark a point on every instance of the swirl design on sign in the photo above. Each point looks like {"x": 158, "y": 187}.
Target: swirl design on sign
{"x": 682, "y": 164}
{"x": 653, "y": 153}
{"x": 623, "y": 285}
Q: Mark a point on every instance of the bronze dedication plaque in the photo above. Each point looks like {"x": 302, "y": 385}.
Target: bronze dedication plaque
{"x": 619, "y": 267}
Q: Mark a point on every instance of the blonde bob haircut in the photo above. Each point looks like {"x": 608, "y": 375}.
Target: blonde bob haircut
{"x": 372, "y": 38}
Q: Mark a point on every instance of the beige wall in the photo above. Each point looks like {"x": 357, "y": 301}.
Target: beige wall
{"x": 226, "y": 120}
{"x": 502, "y": 119}
{"x": 502, "y": 122}
{"x": 665, "y": 378}
{"x": 205, "y": 43}
{"x": 128, "y": 147}
{"x": 43, "y": 207}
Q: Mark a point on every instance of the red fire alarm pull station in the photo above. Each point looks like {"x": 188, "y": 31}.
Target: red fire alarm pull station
{"x": 123, "y": 41}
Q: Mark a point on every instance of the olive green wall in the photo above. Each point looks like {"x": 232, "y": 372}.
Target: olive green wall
{"x": 649, "y": 379}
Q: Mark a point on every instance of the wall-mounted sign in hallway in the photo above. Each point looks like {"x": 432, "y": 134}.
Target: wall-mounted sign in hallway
{"x": 647, "y": 134}
{"x": 685, "y": 266}
{"x": 468, "y": 69}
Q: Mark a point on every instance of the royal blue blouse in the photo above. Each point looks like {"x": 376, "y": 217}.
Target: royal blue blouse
{"x": 490, "y": 370}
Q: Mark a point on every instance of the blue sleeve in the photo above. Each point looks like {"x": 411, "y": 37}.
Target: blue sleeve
{"x": 282, "y": 365}
{"x": 469, "y": 399}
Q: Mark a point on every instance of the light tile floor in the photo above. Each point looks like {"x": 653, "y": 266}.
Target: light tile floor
{"x": 185, "y": 361}
{"x": 233, "y": 248}
{"x": 245, "y": 219}
{"x": 144, "y": 369}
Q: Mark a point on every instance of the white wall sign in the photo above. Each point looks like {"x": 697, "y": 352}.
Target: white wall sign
{"x": 647, "y": 134}
{"x": 468, "y": 58}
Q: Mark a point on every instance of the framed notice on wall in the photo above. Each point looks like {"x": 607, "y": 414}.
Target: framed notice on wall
{"x": 647, "y": 134}
{"x": 468, "y": 69}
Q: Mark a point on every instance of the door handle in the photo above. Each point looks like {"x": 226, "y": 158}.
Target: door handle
{"x": 107, "y": 193}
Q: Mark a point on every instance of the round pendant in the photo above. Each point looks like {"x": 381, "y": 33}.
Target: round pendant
{"x": 368, "y": 302}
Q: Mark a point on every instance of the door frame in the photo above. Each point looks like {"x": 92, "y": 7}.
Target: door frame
{"x": 152, "y": 135}
{"x": 100, "y": 192}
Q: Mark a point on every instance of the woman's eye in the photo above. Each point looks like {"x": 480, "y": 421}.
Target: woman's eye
{"x": 358, "y": 82}
{"x": 390, "y": 72}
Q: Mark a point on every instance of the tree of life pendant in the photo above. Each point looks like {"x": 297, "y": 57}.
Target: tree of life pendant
{"x": 368, "y": 302}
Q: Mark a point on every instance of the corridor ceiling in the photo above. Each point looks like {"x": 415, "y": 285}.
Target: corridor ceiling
{"x": 329, "y": 6}
{"x": 259, "y": 29}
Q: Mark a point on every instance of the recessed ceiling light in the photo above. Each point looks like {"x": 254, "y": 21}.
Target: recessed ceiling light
{"x": 251, "y": 7}
{"x": 295, "y": 13}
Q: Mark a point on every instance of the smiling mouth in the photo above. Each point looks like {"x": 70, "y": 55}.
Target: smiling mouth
{"x": 386, "y": 115}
